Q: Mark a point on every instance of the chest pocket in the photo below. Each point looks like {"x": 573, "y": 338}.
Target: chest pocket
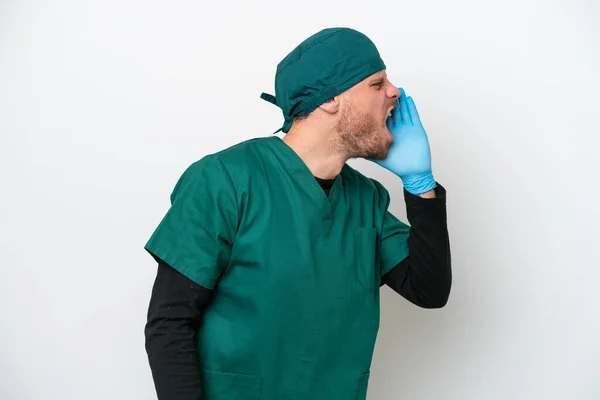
{"x": 228, "y": 386}
{"x": 365, "y": 251}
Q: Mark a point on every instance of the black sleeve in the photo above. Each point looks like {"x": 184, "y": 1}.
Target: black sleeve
{"x": 174, "y": 316}
{"x": 425, "y": 277}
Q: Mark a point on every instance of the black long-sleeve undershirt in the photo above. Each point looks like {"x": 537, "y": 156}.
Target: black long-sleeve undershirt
{"x": 177, "y": 303}
{"x": 425, "y": 277}
{"x": 174, "y": 317}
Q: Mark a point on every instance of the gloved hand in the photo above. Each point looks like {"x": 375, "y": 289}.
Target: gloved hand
{"x": 409, "y": 156}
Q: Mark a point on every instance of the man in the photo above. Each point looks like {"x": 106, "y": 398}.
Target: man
{"x": 273, "y": 251}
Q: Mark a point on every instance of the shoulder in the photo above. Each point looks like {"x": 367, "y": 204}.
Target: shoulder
{"x": 231, "y": 157}
{"x": 201, "y": 178}
{"x": 241, "y": 157}
{"x": 218, "y": 170}
{"x": 244, "y": 149}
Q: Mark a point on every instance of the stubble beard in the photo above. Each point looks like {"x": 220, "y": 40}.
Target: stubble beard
{"x": 359, "y": 135}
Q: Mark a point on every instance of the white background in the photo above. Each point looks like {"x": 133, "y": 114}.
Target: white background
{"x": 103, "y": 104}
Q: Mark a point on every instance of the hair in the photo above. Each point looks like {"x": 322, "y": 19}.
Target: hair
{"x": 299, "y": 118}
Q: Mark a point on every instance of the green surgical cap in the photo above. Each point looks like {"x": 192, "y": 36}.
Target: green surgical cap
{"x": 321, "y": 67}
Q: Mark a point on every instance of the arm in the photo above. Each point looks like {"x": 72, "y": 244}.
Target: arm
{"x": 192, "y": 245}
{"x": 425, "y": 277}
{"x": 174, "y": 317}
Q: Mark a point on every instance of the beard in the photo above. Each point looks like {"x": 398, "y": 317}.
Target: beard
{"x": 360, "y": 135}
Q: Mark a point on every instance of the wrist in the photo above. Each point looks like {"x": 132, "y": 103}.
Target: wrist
{"x": 422, "y": 184}
{"x": 428, "y": 195}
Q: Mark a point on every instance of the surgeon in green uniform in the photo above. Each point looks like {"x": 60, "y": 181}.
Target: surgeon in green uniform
{"x": 290, "y": 246}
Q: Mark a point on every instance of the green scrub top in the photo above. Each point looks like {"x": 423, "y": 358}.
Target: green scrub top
{"x": 295, "y": 273}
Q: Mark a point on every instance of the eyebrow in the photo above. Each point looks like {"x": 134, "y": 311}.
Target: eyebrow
{"x": 377, "y": 81}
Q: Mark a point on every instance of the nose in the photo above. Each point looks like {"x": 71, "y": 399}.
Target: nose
{"x": 393, "y": 92}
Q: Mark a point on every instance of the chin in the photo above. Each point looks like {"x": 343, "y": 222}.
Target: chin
{"x": 378, "y": 154}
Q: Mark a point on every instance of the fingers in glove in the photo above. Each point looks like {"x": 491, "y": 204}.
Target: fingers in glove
{"x": 412, "y": 111}
{"x": 404, "y": 114}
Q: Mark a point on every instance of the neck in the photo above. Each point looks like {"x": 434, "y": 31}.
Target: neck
{"x": 316, "y": 152}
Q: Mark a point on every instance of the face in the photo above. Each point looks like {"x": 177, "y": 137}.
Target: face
{"x": 361, "y": 128}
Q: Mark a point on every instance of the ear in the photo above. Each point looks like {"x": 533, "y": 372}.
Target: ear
{"x": 331, "y": 106}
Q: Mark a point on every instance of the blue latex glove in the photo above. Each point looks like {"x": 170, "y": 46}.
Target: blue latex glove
{"x": 409, "y": 156}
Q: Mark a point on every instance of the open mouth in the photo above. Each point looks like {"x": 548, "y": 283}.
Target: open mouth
{"x": 389, "y": 114}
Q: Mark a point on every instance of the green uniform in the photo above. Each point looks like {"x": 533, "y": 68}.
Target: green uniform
{"x": 295, "y": 273}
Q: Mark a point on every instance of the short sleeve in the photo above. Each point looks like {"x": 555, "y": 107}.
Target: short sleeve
{"x": 196, "y": 234}
{"x": 394, "y": 242}
{"x": 394, "y": 235}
